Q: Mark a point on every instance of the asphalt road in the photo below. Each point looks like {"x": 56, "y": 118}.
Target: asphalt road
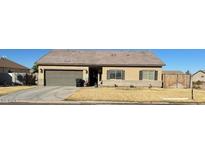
{"x": 39, "y": 94}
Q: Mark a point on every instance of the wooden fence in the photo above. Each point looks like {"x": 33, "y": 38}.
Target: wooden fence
{"x": 176, "y": 81}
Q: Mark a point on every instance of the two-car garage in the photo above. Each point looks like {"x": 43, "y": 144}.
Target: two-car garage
{"x": 62, "y": 77}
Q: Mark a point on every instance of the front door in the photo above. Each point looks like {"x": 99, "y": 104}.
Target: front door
{"x": 93, "y": 76}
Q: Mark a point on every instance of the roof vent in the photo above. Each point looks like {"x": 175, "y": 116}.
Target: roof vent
{"x": 113, "y": 54}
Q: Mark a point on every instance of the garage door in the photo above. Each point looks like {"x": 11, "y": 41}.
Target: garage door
{"x": 62, "y": 78}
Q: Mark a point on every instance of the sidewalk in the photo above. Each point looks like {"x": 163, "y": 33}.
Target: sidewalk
{"x": 21, "y": 102}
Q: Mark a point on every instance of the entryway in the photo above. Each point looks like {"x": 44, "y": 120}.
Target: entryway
{"x": 95, "y": 75}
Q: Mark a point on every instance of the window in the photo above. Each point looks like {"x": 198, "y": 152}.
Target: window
{"x": 118, "y": 75}
{"x": 148, "y": 75}
{"x": 115, "y": 74}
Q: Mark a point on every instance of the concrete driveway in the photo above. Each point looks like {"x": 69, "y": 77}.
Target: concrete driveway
{"x": 39, "y": 94}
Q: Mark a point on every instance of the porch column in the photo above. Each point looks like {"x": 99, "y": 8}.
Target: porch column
{"x": 98, "y": 78}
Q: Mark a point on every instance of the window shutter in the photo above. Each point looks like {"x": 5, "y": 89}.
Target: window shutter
{"x": 123, "y": 75}
{"x": 141, "y": 74}
{"x": 156, "y": 75}
{"x": 108, "y": 74}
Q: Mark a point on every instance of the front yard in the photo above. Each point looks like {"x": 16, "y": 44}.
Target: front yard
{"x": 7, "y": 90}
{"x": 137, "y": 95}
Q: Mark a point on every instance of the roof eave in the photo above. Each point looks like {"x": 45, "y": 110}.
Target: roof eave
{"x": 198, "y": 72}
{"x": 123, "y": 65}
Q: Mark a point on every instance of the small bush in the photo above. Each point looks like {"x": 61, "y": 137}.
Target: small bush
{"x": 197, "y": 84}
{"x": 132, "y": 86}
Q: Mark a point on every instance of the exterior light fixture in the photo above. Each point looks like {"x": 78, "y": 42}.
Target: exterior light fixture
{"x": 41, "y": 70}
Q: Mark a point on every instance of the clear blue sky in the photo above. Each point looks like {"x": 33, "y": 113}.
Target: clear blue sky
{"x": 175, "y": 59}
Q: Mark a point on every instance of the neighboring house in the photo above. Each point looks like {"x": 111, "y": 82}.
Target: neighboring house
{"x": 199, "y": 76}
{"x": 8, "y": 66}
{"x": 100, "y": 67}
{"x": 11, "y": 72}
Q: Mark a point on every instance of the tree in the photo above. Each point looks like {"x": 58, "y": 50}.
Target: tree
{"x": 35, "y": 68}
{"x": 188, "y": 72}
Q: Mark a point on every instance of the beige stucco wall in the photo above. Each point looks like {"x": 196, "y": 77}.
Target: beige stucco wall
{"x": 131, "y": 73}
{"x": 41, "y": 74}
{"x": 132, "y": 77}
{"x": 200, "y": 76}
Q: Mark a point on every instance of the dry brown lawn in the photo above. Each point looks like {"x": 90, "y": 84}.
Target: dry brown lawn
{"x": 7, "y": 90}
{"x": 137, "y": 95}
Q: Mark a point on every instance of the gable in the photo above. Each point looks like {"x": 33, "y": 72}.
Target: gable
{"x": 201, "y": 72}
{"x": 198, "y": 76}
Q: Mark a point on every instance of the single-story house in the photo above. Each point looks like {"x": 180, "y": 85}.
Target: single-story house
{"x": 199, "y": 76}
{"x": 11, "y": 72}
{"x": 105, "y": 67}
{"x": 198, "y": 79}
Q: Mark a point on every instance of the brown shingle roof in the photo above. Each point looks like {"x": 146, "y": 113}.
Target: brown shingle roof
{"x": 203, "y": 71}
{"x": 6, "y": 63}
{"x": 100, "y": 57}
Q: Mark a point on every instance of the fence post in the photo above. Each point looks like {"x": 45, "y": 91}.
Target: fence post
{"x": 177, "y": 86}
{"x": 192, "y": 93}
{"x": 190, "y": 82}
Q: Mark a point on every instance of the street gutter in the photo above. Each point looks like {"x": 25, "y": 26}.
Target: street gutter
{"x": 96, "y": 103}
